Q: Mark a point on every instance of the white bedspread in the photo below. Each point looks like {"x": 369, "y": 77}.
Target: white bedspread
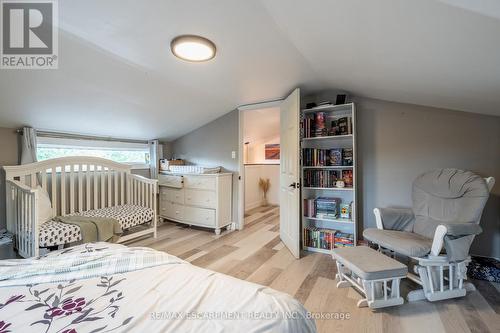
{"x": 106, "y": 287}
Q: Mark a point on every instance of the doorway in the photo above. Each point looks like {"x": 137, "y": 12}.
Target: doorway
{"x": 259, "y": 161}
{"x": 269, "y": 164}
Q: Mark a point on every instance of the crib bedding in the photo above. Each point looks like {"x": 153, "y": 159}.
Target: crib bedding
{"x": 54, "y": 233}
{"x": 109, "y": 287}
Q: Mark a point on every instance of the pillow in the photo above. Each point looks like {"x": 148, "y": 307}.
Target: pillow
{"x": 45, "y": 212}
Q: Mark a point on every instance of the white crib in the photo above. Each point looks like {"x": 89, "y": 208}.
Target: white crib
{"x": 75, "y": 185}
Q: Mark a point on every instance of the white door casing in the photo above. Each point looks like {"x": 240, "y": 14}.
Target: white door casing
{"x": 290, "y": 173}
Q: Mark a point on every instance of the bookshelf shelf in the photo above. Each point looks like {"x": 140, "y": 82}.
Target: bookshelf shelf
{"x": 330, "y": 137}
{"x": 328, "y": 149}
{"x": 317, "y": 249}
{"x": 329, "y": 108}
{"x": 331, "y": 167}
{"x": 329, "y": 188}
{"x": 344, "y": 221}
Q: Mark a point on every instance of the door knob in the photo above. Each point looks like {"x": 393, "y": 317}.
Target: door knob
{"x": 294, "y": 185}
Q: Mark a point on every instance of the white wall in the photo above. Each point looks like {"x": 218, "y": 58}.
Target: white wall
{"x": 256, "y": 151}
{"x": 253, "y": 194}
{"x": 212, "y": 145}
{"x": 397, "y": 142}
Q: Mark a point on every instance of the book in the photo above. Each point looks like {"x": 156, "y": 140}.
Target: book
{"x": 321, "y": 178}
{"x": 319, "y": 238}
{"x": 334, "y": 128}
{"x": 335, "y": 157}
{"x": 309, "y": 208}
{"x": 343, "y": 239}
{"x": 307, "y": 127}
{"x": 347, "y": 177}
{"x": 345, "y": 211}
{"x": 347, "y": 157}
{"x": 327, "y": 207}
{"x": 344, "y": 126}
{"x": 319, "y": 124}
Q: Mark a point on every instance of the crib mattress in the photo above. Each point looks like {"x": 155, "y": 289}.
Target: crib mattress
{"x": 54, "y": 233}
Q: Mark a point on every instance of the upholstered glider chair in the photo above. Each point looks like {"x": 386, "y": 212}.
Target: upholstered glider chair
{"x": 437, "y": 232}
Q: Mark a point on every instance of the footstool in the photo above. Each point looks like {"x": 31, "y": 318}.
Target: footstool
{"x": 374, "y": 274}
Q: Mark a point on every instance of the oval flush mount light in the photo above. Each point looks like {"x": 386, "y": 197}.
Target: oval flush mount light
{"x": 193, "y": 48}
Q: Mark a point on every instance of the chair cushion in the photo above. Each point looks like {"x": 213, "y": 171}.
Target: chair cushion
{"x": 369, "y": 264}
{"x": 447, "y": 195}
{"x": 405, "y": 243}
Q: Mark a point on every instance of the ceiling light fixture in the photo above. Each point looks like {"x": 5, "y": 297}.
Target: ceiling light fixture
{"x": 193, "y": 48}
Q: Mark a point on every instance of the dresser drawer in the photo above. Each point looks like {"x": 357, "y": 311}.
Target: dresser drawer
{"x": 170, "y": 180}
{"x": 200, "y": 182}
{"x": 201, "y": 216}
{"x": 172, "y": 194}
{"x": 200, "y": 198}
{"x": 171, "y": 210}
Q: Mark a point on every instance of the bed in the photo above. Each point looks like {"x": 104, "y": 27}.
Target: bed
{"x": 76, "y": 185}
{"x": 103, "y": 287}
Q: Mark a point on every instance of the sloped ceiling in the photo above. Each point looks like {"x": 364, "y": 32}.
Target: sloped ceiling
{"x": 117, "y": 77}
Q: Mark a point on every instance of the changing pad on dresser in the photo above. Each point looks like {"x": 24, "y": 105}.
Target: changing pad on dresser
{"x": 192, "y": 169}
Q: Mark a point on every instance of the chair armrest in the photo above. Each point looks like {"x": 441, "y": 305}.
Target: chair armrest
{"x": 400, "y": 219}
{"x": 452, "y": 229}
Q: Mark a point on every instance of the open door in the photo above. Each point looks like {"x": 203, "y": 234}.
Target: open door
{"x": 290, "y": 173}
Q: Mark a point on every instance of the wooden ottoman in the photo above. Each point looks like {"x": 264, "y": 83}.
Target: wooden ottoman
{"x": 374, "y": 274}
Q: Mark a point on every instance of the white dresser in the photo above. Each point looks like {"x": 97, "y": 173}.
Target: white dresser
{"x": 197, "y": 199}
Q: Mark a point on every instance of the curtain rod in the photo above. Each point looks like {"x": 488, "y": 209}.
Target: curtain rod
{"x": 62, "y": 135}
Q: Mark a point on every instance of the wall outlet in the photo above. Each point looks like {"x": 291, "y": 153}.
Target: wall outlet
{"x": 233, "y": 154}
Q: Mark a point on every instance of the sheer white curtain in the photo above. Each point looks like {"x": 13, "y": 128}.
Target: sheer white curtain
{"x": 155, "y": 153}
{"x": 28, "y": 149}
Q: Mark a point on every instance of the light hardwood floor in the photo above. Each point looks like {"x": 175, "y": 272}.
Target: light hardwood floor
{"x": 257, "y": 255}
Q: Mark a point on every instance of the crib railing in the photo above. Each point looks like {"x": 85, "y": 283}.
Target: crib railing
{"x": 22, "y": 216}
{"x": 143, "y": 192}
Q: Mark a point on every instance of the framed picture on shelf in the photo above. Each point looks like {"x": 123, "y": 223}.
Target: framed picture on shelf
{"x": 272, "y": 151}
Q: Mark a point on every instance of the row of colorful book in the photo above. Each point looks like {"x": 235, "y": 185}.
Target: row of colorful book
{"x": 323, "y": 124}
{"x": 344, "y": 239}
{"x": 327, "y": 208}
{"x": 327, "y": 157}
{"x": 327, "y": 178}
{"x": 326, "y": 239}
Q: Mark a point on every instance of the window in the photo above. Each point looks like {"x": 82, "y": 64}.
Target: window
{"x": 135, "y": 154}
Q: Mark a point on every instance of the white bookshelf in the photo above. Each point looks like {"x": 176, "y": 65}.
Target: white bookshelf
{"x": 346, "y": 195}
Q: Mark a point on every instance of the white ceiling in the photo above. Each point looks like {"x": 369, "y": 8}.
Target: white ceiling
{"x": 117, "y": 77}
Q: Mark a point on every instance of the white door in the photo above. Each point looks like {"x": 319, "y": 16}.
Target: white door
{"x": 289, "y": 173}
